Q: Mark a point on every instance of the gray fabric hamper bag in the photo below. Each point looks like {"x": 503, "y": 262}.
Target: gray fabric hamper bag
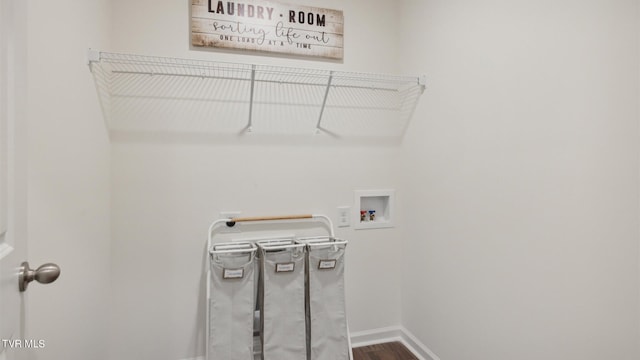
{"x": 282, "y": 300}
{"x": 232, "y": 302}
{"x": 328, "y": 333}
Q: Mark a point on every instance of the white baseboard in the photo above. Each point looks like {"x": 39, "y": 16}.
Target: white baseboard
{"x": 376, "y": 336}
{"x": 393, "y": 333}
{"x": 383, "y": 335}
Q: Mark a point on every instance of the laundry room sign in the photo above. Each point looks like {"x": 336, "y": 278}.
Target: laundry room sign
{"x": 267, "y": 26}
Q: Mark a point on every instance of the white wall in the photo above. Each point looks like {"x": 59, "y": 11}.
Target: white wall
{"x": 165, "y": 193}
{"x": 517, "y": 183}
{"x": 69, "y": 180}
{"x": 522, "y": 161}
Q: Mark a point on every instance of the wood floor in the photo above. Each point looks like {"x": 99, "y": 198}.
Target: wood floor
{"x": 386, "y": 351}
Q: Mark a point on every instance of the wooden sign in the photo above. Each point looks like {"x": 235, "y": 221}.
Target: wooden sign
{"x": 267, "y": 26}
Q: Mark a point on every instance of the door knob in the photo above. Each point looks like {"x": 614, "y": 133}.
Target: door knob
{"x": 46, "y": 273}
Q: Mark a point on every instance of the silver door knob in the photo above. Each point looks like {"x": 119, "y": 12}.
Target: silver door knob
{"x": 46, "y": 273}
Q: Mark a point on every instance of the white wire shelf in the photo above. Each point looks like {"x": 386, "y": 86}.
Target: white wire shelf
{"x": 158, "y": 94}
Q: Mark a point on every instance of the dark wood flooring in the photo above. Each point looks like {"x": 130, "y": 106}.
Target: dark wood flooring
{"x": 386, "y": 351}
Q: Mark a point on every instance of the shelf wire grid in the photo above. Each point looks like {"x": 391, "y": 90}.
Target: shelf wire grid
{"x": 158, "y": 94}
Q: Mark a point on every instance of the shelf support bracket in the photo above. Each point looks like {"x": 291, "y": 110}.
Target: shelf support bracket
{"x": 92, "y": 56}
{"x": 422, "y": 81}
{"x": 324, "y": 101}
{"x": 253, "y": 82}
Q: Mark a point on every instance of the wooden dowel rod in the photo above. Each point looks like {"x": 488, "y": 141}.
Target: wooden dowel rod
{"x": 269, "y": 218}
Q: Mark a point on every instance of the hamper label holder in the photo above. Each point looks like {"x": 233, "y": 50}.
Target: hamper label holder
{"x": 285, "y": 267}
{"x": 230, "y": 274}
{"x": 329, "y": 264}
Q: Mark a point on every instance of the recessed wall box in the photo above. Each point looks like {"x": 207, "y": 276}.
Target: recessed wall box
{"x": 374, "y": 209}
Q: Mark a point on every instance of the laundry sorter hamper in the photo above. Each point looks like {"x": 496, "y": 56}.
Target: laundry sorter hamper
{"x": 282, "y": 300}
{"x": 327, "y": 332}
{"x": 287, "y": 294}
{"x": 232, "y": 291}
